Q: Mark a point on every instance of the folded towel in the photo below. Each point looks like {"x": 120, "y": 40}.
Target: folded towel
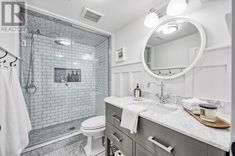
{"x": 130, "y": 116}
{"x": 193, "y": 104}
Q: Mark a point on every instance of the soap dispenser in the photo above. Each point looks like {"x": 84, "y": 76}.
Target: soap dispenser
{"x": 137, "y": 93}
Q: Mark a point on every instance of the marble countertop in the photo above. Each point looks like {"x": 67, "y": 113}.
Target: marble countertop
{"x": 180, "y": 121}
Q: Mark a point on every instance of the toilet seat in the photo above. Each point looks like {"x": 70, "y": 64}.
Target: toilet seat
{"x": 97, "y": 122}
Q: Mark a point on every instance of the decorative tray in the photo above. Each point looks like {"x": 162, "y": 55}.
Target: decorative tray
{"x": 219, "y": 123}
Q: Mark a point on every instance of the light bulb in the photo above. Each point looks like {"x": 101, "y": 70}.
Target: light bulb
{"x": 151, "y": 20}
{"x": 176, "y": 7}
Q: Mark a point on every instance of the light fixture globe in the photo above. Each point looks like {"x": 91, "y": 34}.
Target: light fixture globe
{"x": 63, "y": 41}
{"x": 169, "y": 29}
{"x": 151, "y": 20}
{"x": 176, "y": 7}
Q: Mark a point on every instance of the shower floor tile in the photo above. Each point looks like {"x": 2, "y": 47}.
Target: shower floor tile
{"x": 75, "y": 149}
{"x": 42, "y": 135}
{"x": 64, "y": 146}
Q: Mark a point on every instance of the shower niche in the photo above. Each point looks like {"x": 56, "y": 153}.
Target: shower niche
{"x": 62, "y": 75}
{"x": 59, "y": 52}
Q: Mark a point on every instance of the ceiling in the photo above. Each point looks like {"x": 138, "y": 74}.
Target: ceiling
{"x": 50, "y": 27}
{"x": 117, "y": 13}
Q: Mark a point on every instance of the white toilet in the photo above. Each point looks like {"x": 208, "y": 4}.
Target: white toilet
{"x": 94, "y": 129}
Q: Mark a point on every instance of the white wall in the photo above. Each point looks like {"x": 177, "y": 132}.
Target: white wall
{"x": 210, "y": 79}
{"x": 9, "y": 41}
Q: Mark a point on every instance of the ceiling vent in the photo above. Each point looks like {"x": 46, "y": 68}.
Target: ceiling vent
{"x": 91, "y": 15}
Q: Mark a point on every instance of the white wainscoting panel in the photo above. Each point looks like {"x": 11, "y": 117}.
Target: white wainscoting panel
{"x": 126, "y": 77}
{"x": 210, "y": 79}
{"x": 136, "y": 78}
{"x": 209, "y": 84}
{"x": 116, "y": 84}
{"x": 125, "y": 84}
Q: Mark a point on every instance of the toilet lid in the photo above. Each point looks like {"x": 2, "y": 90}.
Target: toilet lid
{"x": 94, "y": 123}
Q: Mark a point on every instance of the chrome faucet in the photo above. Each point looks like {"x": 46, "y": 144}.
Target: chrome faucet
{"x": 163, "y": 99}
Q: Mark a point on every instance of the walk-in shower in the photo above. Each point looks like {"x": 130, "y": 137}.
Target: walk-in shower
{"x": 64, "y": 75}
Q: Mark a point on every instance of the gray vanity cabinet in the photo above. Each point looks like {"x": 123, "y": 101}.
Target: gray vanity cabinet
{"x": 181, "y": 144}
{"x": 152, "y": 139}
{"x": 141, "y": 151}
{"x": 121, "y": 141}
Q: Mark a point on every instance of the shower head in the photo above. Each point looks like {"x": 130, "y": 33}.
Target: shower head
{"x": 63, "y": 41}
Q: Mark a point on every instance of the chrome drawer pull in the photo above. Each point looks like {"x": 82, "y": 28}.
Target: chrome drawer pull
{"x": 116, "y": 138}
{"x": 168, "y": 149}
{"x": 116, "y": 118}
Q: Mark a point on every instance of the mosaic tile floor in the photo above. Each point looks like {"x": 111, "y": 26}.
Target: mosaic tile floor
{"x": 78, "y": 141}
{"x": 73, "y": 146}
{"x": 75, "y": 149}
{"x": 42, "y": 135}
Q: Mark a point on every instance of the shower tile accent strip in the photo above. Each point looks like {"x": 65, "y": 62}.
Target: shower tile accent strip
{"x": 56, "y": 103}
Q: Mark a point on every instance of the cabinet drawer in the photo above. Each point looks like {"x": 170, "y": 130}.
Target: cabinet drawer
{"x": 114, "y": 116}
{"x": 212, "y": 151}
{"x": 119, "y": 139}
{"x": 140, "y": 151}
{"x": 158, "y": 139}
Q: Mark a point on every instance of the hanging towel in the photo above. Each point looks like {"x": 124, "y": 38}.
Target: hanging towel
{"x": 130, "y": 116}
{"x": 14, "y": 118}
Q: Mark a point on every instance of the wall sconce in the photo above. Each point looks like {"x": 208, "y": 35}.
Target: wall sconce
{"x": 152, "y": 19}
{"x": 174, "y": 8}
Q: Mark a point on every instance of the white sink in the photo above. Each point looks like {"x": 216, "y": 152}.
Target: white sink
{"x": 161, "y": 109}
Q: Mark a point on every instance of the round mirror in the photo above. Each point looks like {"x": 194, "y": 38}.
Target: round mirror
{"x": 174, "y": 48}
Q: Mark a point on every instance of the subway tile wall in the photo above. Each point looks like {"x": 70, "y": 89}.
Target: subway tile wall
{"x": 56, "y": 103}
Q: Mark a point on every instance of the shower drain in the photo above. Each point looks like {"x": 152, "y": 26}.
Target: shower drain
{"x": 71, "y": 128}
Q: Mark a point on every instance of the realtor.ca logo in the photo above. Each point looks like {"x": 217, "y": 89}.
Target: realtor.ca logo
{"x": 13, "y": 15}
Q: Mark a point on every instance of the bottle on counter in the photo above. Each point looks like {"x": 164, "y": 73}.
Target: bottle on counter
{"x": 137, "y": 93}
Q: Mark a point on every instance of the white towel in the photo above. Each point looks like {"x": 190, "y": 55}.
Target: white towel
{"x": 14, "y": 118}
{"x": 130, "y": 116}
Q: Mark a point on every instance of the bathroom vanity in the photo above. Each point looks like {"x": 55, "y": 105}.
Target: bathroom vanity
{"x": 165, "y": 129}
{"x": 157, "y": 137}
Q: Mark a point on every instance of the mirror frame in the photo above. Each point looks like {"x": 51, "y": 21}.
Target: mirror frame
{"x": 195, "y": 61}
